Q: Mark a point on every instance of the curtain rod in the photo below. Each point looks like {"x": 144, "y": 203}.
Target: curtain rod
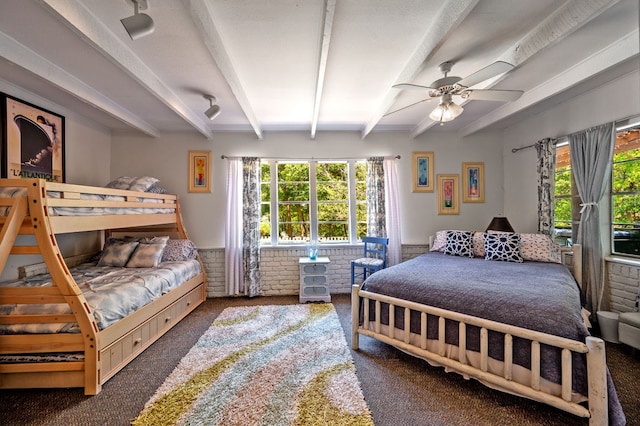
{"x": 620, "y": 124}
{"x": 397, "y": 157}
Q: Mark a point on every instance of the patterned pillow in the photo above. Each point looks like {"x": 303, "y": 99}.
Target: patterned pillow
{"x": 459, "y": 243}
{"x": 478, "y": 244}
{"x": 178, "y": 250}
{"x": 146, "y": 255}
{"x": 141, "y": 184}
{"x": 157, "y": 190}
{"x": 539, "y": 248}
{"x": 502, "y": 246}
{"x": 123, "y": 182}
{"x": 117, "y": 253}
{"x": 439, "y": 241}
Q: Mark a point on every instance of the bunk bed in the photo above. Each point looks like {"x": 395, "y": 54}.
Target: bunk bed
{"x": 516, "y": 326}
{"x": 33, "y": 215}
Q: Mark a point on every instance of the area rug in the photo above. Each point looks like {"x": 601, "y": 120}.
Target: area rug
{"x": 264, "y": 365}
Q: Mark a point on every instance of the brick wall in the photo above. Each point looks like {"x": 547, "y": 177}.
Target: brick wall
{"x": 281, "y": 273}
{"x": 624, "y": 284}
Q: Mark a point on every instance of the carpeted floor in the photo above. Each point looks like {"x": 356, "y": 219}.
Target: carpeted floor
{"x": 399, "y": 389}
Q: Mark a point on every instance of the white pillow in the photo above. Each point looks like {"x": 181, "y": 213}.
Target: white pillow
{"x": 539, "y": 248}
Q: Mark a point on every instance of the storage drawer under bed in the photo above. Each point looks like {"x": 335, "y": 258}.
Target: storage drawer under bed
{"x": 122, "y": 351}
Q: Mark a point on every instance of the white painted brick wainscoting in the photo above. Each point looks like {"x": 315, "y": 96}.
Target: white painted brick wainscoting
{"x": 281, "y": 272}
{"x": 624, "y": 283}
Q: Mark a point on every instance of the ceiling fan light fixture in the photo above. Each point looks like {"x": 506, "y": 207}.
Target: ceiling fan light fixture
{"x": 447, "y": 110}
{"x": 138, "y": 25}
{"x": 214, "y": 110}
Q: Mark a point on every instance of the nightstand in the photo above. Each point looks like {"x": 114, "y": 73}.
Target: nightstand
{"x": 314, "y": 285}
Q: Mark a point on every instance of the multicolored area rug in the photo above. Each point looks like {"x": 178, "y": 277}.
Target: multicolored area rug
{"x": 264, "y": 365}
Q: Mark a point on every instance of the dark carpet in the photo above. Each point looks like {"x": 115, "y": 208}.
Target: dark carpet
{"x": 399, "y": 389}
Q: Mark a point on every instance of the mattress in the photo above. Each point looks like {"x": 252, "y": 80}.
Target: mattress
{"x": 111, "y": 292}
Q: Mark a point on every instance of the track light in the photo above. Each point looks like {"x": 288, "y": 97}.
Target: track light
{"x": 140, "y": 24}
{"x": 214, "y": 110}
{"x": 447, "y": 110}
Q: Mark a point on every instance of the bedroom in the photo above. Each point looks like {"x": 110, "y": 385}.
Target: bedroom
{"x": 95, "y": 154}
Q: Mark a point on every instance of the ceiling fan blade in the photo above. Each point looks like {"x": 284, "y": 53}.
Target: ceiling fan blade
{"x": 493, "y": 95}
{"x": 410, "y": 86}
{"x": 485, "y": 73}
{"x": 407, "y": 106}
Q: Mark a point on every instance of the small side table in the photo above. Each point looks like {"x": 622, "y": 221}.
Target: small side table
{"x": 314, "y": 285}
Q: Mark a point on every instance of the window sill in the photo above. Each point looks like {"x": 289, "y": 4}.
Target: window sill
{"x": 624, "y": 260}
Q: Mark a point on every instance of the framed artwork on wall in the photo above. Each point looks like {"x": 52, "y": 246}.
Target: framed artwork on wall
{"x": 473, "y": 182}
{"x": 448, "y": 194}
{"x": 422, "y": 167}
{"x": 32, "y": 141}
{"x": 199, "y": 171}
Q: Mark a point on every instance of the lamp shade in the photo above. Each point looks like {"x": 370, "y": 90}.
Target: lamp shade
{"x": 138, "y": 25}
{"x": 500, "y": 223}
{"x": 447, "y": 110}
{"x": 212, "y": 112}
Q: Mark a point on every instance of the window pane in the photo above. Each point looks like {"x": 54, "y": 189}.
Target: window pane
{"x": 333, "y": 232}
{"x": 625, "y": 197}
{"x": 265, "y": 205}
{"x": 332, "y": 195}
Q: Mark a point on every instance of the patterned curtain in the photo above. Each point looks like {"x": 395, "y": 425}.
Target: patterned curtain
{"x": 546, "y": 182}
{"x": 375, "y": 197}
{"x": 591, "y": 157}
{"x": 251, "y": 225}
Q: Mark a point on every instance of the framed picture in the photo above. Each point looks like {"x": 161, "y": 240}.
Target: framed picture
{"x": 422, "y": 171}
{"x": 473, "y": 182}
{"x": 32, "y": 141}
{"x": 448, "y": 194}
{"x": 199, "y": 171}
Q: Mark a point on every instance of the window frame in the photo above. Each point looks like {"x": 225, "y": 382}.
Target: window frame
{"x": 612, "y": 194}
{"x": 313, "y": 202}
{"x": 608, "y": 204}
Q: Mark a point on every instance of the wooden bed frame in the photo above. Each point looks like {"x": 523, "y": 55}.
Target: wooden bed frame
{"x": 594, "y": 348}
{"x": 105, "y": 351}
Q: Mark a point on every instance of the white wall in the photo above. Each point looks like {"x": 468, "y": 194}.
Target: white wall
{"x": 615, "y": 100}
{"x": 167, "y": 159}
{"x": 87, "y": 161}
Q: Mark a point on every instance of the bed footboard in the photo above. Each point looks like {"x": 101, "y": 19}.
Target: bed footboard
{"x": 437, "y": 352}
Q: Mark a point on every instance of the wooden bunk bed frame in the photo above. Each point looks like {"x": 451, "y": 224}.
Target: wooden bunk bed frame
{"x": 105, "y": 351}
{"x": 594, "y": 348}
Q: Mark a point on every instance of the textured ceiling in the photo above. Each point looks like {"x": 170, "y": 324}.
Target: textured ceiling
{"x": 308, "y": 65}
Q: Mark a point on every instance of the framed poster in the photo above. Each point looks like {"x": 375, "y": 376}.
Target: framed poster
{"x": 32, "y": 141}
{"x": 448, "y": 194}
{"x": 473, "y": 182}
{"x": 199, "y": 171}
{"x": 422, "y": 171}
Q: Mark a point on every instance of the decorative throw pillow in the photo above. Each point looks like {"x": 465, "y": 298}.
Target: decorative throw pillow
{"x": 478, "y": 244}
{"x": 539, "y": 248}
{"x": 146, "y": 255}
{"x": 439, "y": 241}
{"x": 117, "y": 253}
{"x": 150, "y": 240}
{"x": 141, "y": 184}
{"x": 502, "y": 246}
{"x": 157, "y": 190}
{"x": 123, "y": 182}
{"x": 459, "y": 243}
{"x": 178, "y": 250}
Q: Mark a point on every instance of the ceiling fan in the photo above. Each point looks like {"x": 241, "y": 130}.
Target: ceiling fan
{"x": 447, "y": 87}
